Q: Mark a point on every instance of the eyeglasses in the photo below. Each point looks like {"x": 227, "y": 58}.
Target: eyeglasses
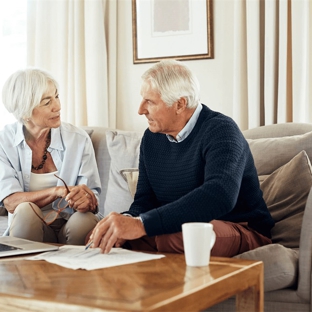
{"x": 52, "y": 215}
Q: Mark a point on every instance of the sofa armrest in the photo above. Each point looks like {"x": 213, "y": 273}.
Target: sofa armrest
{"x": 305, "y": 253}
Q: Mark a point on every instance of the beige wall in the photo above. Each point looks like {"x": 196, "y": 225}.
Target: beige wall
{"x": 215, "y": 75}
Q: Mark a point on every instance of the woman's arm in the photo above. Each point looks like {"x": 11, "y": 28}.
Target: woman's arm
{"x": 40, "y": 198}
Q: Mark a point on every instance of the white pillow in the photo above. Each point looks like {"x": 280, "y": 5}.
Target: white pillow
{"x": 124, "y": 148}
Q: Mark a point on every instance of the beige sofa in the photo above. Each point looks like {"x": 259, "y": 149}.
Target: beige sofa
{"x": 282, "y": 156}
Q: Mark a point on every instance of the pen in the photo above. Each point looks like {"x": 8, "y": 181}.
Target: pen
{"x": 87, "y": 247}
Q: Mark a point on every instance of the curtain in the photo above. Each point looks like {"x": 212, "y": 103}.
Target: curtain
{"x": 272, "y": 69}
{"x": 75, "y": 41}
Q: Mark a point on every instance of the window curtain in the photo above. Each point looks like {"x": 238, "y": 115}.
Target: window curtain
{"x": 272, "y": 50}
{"x": 75, "y": 40}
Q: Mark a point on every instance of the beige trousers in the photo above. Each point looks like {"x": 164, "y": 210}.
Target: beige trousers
{"x": 26, "y": 224}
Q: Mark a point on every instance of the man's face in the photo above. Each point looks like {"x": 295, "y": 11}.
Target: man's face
{"x": 161, "y": 118}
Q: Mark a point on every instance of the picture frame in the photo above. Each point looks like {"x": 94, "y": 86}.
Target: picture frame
{"x": 158, "y": 35}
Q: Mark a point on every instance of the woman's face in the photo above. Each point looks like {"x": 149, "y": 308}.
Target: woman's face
{"x": 47, "y": 113}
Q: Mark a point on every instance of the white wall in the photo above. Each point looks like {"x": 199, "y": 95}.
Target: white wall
{"x": 215, "y": 75}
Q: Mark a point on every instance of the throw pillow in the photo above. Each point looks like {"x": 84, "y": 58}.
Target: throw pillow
{"x": 123, "y": 148}
{"x": 131, "y": 176}
{"x": 280, "y": 265}
{"x": 272, "y": 153}
{"x": 285, "y": 192}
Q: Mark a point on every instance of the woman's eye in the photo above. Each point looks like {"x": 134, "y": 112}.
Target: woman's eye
{"x": 57, "y": 96}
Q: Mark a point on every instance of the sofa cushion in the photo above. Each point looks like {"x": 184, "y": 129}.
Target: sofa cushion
{"x": 272, "y": 153}
{"x": 123, "y": 147}
{"x": 285, "y": 192}
{"x": 280, "y": 265}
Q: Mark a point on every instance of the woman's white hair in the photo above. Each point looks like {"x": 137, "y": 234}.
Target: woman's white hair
{"x": 23, "y": 91}
{"x": 173, "y": 80}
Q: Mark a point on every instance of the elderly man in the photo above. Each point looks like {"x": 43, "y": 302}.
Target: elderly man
{"x": 195, "y": 166}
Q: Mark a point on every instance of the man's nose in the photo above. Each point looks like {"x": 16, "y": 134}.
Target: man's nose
{"x": 142, "y": 110}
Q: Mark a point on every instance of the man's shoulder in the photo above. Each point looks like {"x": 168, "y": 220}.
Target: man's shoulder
{"x": 216, "y": 121}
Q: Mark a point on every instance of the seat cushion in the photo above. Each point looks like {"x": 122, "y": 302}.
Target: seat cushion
{"x": 280, "y": 265}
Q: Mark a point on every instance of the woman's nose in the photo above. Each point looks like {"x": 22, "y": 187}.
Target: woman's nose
{"x": 56, "y": 104}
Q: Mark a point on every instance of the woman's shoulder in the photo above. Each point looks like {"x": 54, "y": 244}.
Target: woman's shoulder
{"x": 9, "y": 130}
{"x": 68, "y": 128}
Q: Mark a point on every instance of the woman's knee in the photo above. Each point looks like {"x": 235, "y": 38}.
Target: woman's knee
{"x": 76, "y": 229}
{"x": 25, "y": 223}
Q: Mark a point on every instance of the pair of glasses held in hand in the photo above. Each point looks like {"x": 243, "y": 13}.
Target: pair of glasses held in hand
{"x": 52, "y": 215}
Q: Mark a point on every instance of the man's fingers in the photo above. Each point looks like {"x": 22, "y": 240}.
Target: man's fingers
{"x": 108, "y": 241}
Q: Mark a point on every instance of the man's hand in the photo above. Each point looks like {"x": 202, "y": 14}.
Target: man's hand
{"x": 116, "y": 228}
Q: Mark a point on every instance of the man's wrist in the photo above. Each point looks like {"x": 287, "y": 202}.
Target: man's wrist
{"x": 139, "y": 218}
{"x": 142, "y": 224}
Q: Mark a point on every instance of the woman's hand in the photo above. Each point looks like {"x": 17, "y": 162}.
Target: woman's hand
{"x": 81, "y": 198}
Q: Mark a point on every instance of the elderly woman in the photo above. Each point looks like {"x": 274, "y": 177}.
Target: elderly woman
{"x": 49, "y": 182}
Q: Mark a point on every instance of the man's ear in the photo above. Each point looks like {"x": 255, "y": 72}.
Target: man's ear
{"x": 181, "y": 105}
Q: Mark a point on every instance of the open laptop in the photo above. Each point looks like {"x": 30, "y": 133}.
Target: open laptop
{"x": 13, "y": 246}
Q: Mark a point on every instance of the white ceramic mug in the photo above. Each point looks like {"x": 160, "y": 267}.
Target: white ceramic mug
{"x": 198, "y": 240}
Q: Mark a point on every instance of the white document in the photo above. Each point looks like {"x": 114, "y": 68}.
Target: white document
{"x": 76, "y": 257}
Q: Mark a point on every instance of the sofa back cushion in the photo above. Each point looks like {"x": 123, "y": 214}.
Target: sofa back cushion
{"x": 272, "y": 153}
{"x": 285, "y": 192}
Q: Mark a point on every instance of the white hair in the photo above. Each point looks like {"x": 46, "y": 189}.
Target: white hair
{"x": 23, "y": 91}
{"x": 173, "y": 80}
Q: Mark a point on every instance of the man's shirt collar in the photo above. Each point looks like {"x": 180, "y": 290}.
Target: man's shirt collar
{"x": 184, "y": 133}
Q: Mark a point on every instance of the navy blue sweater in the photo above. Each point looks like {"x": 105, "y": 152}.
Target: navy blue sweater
{"x": 210, "y": 175}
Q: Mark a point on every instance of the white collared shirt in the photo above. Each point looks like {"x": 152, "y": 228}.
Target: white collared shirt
{"x": 183, "y": 134}
{"x": 71, "y": 150}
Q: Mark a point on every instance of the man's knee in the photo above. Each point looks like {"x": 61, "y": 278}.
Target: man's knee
{"x": 171, "y": 243}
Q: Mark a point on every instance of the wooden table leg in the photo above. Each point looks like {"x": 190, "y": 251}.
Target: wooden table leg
{"x": 252, "y": 299}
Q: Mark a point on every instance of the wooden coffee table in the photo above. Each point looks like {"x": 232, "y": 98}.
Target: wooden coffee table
{"x": 165, "y": 284}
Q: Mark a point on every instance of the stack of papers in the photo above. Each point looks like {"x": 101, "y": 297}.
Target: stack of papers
{"x": 76, "y": 257}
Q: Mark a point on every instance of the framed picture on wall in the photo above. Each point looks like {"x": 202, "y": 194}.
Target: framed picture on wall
{"x": 177, "y": 29}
